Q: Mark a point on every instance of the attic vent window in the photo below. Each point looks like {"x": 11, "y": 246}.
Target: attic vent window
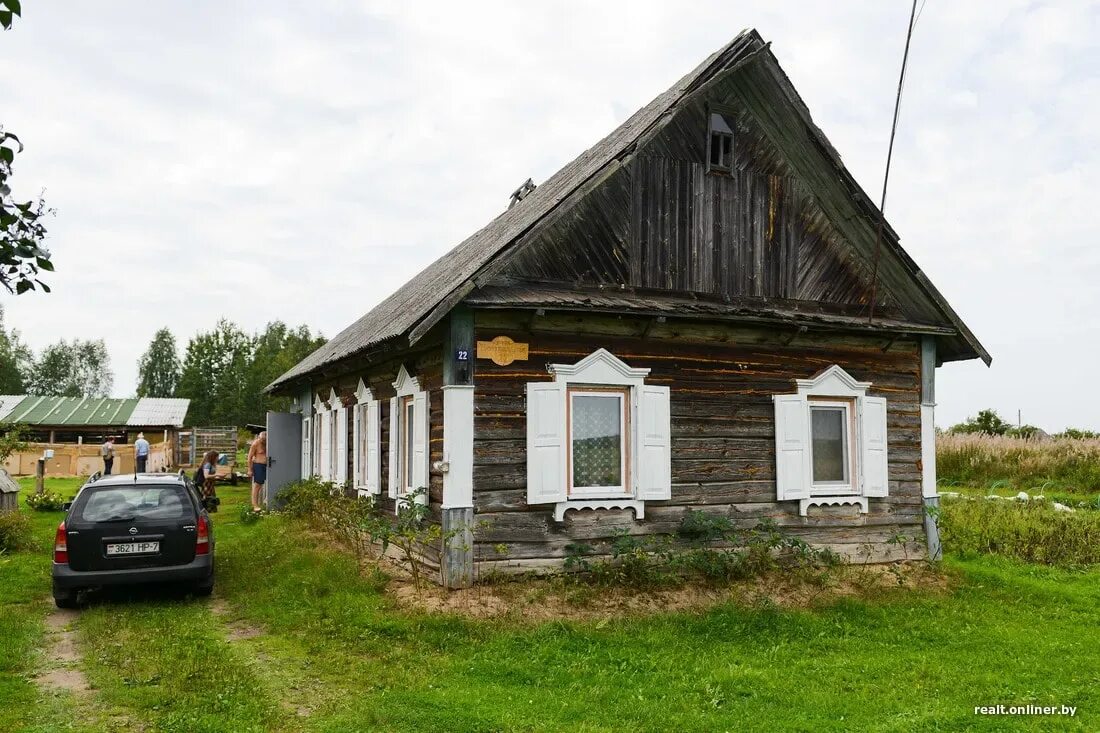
{"x": 721, "y": 144}
{"x": 521, "y": 193}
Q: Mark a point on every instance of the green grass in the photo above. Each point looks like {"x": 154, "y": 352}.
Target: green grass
{"x": 1031, "y": 531}
{"x": 336, "y": 655}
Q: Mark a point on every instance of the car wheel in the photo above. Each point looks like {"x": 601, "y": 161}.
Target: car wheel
{"x": 65, "y": 598}
{"x": 205, "y": 587}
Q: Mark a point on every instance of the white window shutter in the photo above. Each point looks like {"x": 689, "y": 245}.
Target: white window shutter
{"x": 395, "y": 444}
{"x": 792, "y": 450}
{"x": 654, "y": 443}
{"x": 373, "y": 448}
{"x": 325, "y": 448}
{"x": 876, "y": 472}
{"x": 341, "y": 469}
{"x": 357, "y": 446}
{"x": 420, "y": 444}
{"x": 546, "y": 443}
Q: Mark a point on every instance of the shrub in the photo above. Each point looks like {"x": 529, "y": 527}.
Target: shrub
{"x": 1031, "y": 531}
{"x": 250, "y": 516}
{"x": 15, "y": 531}
{"x": 711, "y": 549}
{"x": 47, "y": 501}
{"x": 302, "y": 498}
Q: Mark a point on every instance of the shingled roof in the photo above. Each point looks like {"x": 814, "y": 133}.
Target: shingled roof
{"x": 433, "y": 292}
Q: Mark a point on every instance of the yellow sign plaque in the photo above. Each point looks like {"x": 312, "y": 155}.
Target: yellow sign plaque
{"x": 502, "y": 351}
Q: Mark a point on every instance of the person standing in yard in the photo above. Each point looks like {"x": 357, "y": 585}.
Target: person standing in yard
{"x": 141, "y": 452}
{"x": 107, "y": 451}
{"x": 205, "y": 479}
{"x": 257, "y": 468}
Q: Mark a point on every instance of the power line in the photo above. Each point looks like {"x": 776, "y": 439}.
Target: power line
{"x": 889, "y": 157}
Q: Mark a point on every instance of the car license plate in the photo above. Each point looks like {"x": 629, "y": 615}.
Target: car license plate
{"x": 133, "y": 548}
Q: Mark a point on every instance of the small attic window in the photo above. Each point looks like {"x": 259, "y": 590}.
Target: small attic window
{"x": 720, "y": 155}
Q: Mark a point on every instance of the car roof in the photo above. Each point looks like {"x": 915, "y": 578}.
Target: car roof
{"x": 129, "y": 479}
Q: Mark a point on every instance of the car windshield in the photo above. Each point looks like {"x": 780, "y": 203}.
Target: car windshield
{"x": 127, "y": 503}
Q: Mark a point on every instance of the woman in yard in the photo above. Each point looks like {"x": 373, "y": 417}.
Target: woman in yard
{"x": 207, "y": 474}
{"x": 257, "y": 468}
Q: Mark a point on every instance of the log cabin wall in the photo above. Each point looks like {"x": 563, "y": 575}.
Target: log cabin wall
{"x": 722, "y": 378}
{"x": 427, "y": 365}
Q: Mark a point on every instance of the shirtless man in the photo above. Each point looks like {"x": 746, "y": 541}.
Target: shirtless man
{"x": 257, "y": 468}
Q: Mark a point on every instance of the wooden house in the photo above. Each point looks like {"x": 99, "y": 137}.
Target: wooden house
{"x": 696, "y": 313}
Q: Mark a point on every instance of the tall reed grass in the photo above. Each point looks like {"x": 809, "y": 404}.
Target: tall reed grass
{"x": 1064, "y": 464}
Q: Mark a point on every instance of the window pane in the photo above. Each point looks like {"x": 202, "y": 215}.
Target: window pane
{"x": 409, "y": 445}
{"x": 829, "y": 444}
{"x": 138, "y": 502}
{"x": 597, "y": 439}
{"x": 715, "y": 149}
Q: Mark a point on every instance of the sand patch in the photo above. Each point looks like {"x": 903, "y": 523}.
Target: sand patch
{"x": 235, "y": 630}
{"x": 536, "y": 600}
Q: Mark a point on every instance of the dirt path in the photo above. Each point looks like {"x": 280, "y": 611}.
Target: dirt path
{"x": 63, "y": 673}
{"x": 251, "y": 640}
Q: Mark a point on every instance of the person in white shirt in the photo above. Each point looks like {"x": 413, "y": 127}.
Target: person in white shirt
{"x": 141, "y": 452}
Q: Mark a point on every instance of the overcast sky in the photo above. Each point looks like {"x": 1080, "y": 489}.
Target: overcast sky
{"x": 294, "y": 161}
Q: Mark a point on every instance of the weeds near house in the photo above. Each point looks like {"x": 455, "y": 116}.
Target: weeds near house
{"x": 360, "y": 524}
{"x": 707, "y": 547}
{"x": 1032, "y": 531}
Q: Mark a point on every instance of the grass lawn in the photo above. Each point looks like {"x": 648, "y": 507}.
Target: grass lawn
{"x": 296, "y": 639}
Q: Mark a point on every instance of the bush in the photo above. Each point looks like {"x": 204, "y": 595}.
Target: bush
{"x": 710, "y": 549}
{"x": 249, "y": 516}
{"x": 1031, "y": 531}
{"x": 303, "y": 498}
{"x": 15, "y": 531}
{"x": 47, "y": 501}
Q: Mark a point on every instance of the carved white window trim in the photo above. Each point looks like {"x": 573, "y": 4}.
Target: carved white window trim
{"x": 832, "y": 385}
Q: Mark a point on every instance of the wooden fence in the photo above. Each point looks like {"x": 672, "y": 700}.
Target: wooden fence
{"x": 84, "y": 460}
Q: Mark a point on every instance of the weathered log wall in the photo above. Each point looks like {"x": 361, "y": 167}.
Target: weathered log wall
{"x": 722, "y": 379}
{"x": 426, "y": 364}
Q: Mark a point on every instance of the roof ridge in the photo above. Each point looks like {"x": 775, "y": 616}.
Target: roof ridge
{"x": 399, "y": 312}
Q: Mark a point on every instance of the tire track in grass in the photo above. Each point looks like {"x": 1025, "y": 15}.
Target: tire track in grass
{"x": 283, "y": 665}
{"x": 169, "y": 663}
{"x": 63, "y": 678}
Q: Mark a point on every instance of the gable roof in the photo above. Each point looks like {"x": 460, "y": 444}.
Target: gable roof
{"x": 433, "y": 292}
{"x": 93, "y": 411}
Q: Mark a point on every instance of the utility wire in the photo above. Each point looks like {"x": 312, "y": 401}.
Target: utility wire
{"x": 889, "y": 157}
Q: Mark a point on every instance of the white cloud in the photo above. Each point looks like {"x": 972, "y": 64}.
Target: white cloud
{"x": 265, "y": 161}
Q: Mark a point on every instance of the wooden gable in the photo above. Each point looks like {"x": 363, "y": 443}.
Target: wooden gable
{"x": 663, "y": 222}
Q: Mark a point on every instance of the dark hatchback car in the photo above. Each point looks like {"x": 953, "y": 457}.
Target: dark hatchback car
{"x": 133, "y": 529}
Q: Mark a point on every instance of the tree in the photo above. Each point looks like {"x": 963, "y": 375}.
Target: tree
{"x": 77, "y": 369}
{"x": 22, "y": 254}
{"x": 215, "y": 375}
{"x": 16, "y": 361}
{"x": 277, "y": 349}
{"x": 987, "y": 421}
{"x": 159, "y": 367}
{"x": 225, "y": 371}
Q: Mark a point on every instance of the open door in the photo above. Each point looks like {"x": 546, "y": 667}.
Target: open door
{"x": 284, "y": 453}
